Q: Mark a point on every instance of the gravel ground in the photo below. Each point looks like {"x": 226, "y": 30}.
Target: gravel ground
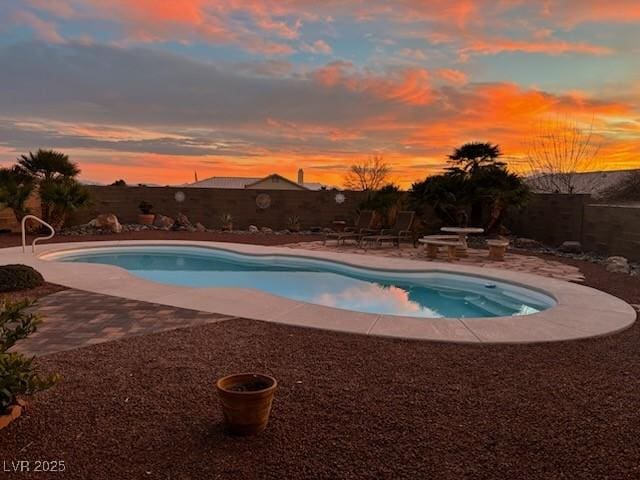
{"x": 348, "y": 406}
{"x": 14, "y": 240}
{"x": 33, "y": 293}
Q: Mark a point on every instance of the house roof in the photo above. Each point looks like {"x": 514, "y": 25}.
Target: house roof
{"x": 224, "y": 182}
{"x": 595, "y": 183}
{"x": 243, "y": 182}
{"x": 279, "y": 177}
{"x": 314, "y": 186}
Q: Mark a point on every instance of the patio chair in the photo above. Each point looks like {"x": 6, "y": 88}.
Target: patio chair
{"x": 364, "y": 225}
{"x": 399, "y": 232}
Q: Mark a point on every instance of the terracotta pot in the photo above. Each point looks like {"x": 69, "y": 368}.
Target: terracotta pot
{"x": 146, "y": 219}
{"x": 246, "y": 400}
{"x": 13, "y": 412}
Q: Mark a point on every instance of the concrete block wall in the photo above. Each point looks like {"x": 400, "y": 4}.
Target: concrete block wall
{"x": 612, "y": 230}
{"x": 207, "y": 205}
{"x": 550, "y": 218}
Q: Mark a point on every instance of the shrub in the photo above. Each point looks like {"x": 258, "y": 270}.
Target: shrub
{"x": 62, "y": 196}
{"x": 145, "y": 207}
{"x": 386, "y": 202}
{"x": 227, "y": 221}
{"x": 449, "y": 196}
{"x": 16, "y": 323}
{"x": 15, "y": 189}
{"x": 475, "y": 181}
{"x": 18, "y": 376}
{"x": 293, "y": 223}
{"x": 19, "y": 277}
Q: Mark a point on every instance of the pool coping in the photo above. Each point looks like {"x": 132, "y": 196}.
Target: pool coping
{"x": 581, "y": 311}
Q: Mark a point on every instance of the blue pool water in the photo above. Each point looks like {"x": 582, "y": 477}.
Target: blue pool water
{"x": 323, "y": 282}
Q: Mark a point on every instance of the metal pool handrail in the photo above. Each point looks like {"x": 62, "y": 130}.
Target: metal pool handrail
{"x": 24, "y": 232}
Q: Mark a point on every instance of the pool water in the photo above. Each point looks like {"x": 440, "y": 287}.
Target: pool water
{"x": 323, "y": 282}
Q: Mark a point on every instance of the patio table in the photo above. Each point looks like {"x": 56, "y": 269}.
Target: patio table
{"x": 462, "y": 233}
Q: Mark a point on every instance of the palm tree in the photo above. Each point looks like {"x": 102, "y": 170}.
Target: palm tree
{"x": 63, "y": 196}
{"x": 470, "y": 160}
{"x": 15, "y": 189}
{"x": 471, "y": 157}
{"x": 48, "y": 164}
{"x": 500, "y": 190}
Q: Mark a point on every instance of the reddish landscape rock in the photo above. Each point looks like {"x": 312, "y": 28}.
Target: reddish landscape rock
{"x": 107, "y": 221}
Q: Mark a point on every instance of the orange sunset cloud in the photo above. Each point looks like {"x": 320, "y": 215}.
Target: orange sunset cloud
{"x": 153, "y": 91}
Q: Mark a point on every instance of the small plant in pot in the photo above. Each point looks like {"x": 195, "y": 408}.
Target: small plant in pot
{"x": 246, "y": 400}
{"x": 293, "y": 223}
{"x": 227, "y": 221}
{"x": 145, "y": 217}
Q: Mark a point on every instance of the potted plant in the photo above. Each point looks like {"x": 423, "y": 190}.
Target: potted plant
{"x": 246, "y": 400}
{"x": 145, "y": 217}
{"x": 293, "y": 223}
{"x": 227, "y": 221}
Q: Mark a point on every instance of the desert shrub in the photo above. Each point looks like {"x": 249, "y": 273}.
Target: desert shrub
{"x": 227, "y": 221}
{"x": 386, "y": 202}
{"x": 449, "y": 195}
{"x": 145, "y": 207}
{"x": 16, "y": 323}
{"x": 62, "y": 196}
{"x": 15, "y": 189}
{"x": 19, "y": 277}
{"x": 293, "y": 223}
{"x": 18, "y": 375}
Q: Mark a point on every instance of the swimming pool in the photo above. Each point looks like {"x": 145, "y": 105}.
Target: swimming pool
{"x": 429, "y": 294}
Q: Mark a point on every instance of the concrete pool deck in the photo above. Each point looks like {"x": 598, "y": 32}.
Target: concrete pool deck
{"x": 580, "y": 312}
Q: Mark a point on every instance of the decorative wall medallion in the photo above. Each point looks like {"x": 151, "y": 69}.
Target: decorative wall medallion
{"x": 340, "y": 198}
{"x": 179, "y": 196}
{"x": 263, "y": 201}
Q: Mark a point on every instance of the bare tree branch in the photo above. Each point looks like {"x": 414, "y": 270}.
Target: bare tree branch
{"x": 558, "y": 152}
{"x": 368, "y": 175}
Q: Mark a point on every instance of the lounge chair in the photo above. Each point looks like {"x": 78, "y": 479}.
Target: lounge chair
{"x": 363, "y": 226}
{"x": 399, "y": 232}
